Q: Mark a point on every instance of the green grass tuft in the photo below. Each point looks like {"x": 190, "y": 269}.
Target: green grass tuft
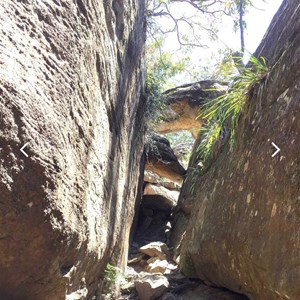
{"x": 224, "y": 111}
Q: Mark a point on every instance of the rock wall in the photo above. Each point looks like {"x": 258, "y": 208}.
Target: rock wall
{"x": 70, "y": 82}
{"x": 243, "y": 230}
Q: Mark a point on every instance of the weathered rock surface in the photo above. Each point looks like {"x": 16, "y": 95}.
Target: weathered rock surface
{"x": 204, "y": 292}
{"x": 150, "y": 177}
{"x": 157, "y": 266}
{"x": 183, "y": 151}
{"x": 156, "y": 249}
{"x": 161, "y": 159}
{"x": 183, "y": 104}
{"x": 157, "y": 202}
{"x": 243, "y": 233}
{"x": 151, "y": 286}
{"x": 170, "y": 196}
{"x": 70, "y": 83}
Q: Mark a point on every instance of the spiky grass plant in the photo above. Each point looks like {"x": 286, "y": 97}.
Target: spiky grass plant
{"x": 111, "y": 273}
{"x": 223, "y": 112}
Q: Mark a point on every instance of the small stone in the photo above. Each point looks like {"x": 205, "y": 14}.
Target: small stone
{"x": 176, "y": 259}
{"x": 127, "y": 287}
{"x": 131, "y": 273}
{"x": 158, "y": 266}
{"x": 151, "y": 286}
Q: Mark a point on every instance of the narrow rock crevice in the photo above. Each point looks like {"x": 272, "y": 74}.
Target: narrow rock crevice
{"x": 153, "y": 269}
{"x": 97, "y": 209}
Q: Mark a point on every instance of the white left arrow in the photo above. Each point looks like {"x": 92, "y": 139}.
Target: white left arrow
{"x": 22, "y": 149}
{"x": 277, "y": 149}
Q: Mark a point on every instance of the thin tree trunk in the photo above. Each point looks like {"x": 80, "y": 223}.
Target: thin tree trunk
{"x": 241, "y": 23}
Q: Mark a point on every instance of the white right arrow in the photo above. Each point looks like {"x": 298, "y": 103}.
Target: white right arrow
{"x": 277, "y": 149}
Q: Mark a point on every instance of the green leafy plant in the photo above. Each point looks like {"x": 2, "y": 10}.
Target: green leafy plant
{"x": 161, "y": 67}
{"x": 113, "y": 278}
{"x": 221, "y": 114}
{"x": 112, "y": 273}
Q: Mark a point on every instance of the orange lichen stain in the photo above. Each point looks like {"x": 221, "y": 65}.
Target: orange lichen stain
{"x": 274, "y": 209}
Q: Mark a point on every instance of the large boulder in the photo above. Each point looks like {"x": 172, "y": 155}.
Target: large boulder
{"x": 170, "y": 196}
{"x": 243, "y": 233}
{"x": 71, "y": 82}
{"x": 157, "y": 202}
{"x": 183, "y": 103}
{"x": 156, "y": 249}
{"x": 160, "y": 159}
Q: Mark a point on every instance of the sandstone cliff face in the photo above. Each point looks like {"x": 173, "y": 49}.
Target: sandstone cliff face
{"x": 183, "y": 103}
{"x": 243, "y": 232}
{"x": 70, "y": 84}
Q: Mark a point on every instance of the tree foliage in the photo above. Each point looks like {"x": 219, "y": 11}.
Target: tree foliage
{"x": 160, "y": 68}
{"x": 211, "y": 10}
{"x": 221, "y": 115}
{"x": 201, "y": 17}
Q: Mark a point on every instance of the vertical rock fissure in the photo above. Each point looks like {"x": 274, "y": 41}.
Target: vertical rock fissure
{"x": 153, "y": 271}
